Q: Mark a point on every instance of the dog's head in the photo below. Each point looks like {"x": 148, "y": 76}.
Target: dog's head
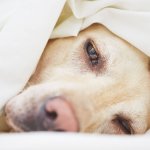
{"x": 95, "y": 82}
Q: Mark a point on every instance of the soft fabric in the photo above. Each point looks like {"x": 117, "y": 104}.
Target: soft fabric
{"x": 71, "y": 141}
{"x": 26, "y": 26}
{"x": 129, "y": 19}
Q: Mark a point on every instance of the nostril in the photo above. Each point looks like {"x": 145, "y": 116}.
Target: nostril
{"x": 51, "y": 110}
{"x": 58, "y": 116}
{"x": 52, "y": 115}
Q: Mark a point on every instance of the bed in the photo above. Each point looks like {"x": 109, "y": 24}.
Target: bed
{"x": 25, "y": 28}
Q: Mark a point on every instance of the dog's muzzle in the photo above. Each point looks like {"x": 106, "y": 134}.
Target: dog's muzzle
{"x": 56, "y": 114}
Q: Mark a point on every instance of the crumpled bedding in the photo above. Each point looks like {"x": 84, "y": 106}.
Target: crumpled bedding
{"x": 25, "y": 27}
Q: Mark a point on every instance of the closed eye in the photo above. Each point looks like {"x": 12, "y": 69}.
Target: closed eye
{"x": 123, "y": 124}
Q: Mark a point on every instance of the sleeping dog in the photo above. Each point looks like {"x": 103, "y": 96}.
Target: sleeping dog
{"x": 95, "y": 82}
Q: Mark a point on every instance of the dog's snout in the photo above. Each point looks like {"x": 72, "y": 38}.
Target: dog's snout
{"x": 54, "y": 114}
{"x": 59, "y": 116}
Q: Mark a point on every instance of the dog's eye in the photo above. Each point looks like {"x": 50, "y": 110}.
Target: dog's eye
{"x": 92, "y": 53}
{"x": 123, "y": 124}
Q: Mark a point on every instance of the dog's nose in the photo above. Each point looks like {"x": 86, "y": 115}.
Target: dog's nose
{"x": 57, "y": 115}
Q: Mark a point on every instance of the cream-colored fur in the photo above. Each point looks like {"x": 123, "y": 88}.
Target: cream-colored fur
{"x": 120, "y": 86}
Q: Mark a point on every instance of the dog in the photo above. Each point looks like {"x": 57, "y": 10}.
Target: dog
{"x": 94, "y": 83}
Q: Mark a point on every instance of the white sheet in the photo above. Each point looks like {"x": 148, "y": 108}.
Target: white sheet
{"x": 60, "y": 141}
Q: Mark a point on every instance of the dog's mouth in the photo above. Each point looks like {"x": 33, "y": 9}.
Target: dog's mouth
{"x": 56, "y": 114}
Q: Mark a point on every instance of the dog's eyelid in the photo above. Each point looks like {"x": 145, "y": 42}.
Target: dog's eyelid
{"x": 91, "y": 49}
{"x": 95, "y": 59}
{"x": 123, "y": 123}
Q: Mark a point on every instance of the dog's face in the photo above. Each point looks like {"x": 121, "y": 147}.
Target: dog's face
{"x": 95, "y": 82}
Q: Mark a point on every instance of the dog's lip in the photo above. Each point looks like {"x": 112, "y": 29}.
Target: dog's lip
{"x": 13, "y": 125}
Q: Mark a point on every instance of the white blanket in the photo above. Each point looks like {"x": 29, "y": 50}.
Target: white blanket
{"x": 25, "y": 27}
{"x": 72, "y": 141}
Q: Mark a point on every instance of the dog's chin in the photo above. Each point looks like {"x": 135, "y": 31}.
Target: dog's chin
{"x": 12, "y": 127}
{"x": 11, "y": 122}
{"x": 17, "y": 119}
{"x": 23, "y": 123}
